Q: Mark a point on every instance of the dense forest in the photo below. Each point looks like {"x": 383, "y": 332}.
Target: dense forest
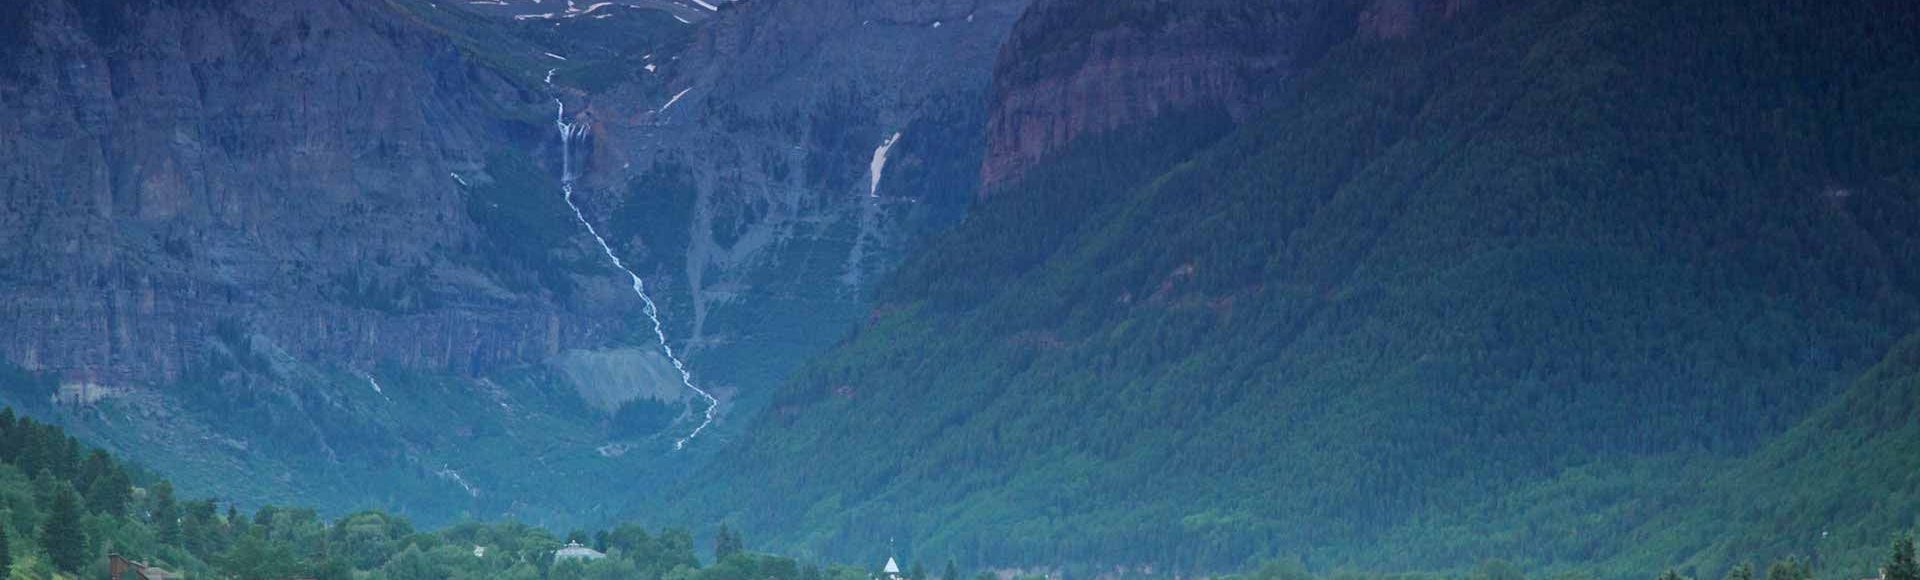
{"x": 1548, "y": 281}
{"x": 65, "y": 508}
{"x": 82, "y": 506}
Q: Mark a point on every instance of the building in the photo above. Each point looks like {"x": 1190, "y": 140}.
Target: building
{"x": 575, "y": 551}
{"x": 891, "y": 571}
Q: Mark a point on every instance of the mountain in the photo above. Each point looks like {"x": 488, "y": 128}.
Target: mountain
{"x": 1070, "y": 69}
{"x": 325, "y": 243}
{"x": 792, "y": 152}
{"x": 227, "y": 224}
{"x": 1827, "y": 490}
{"x": 1469, "y": 250}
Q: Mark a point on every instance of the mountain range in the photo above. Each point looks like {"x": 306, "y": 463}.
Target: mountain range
{"x": 1096, "y": 287}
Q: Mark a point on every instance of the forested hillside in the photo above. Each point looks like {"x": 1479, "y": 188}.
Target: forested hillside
{"x": 65, "y": 508}
{"x": 1633, "y": 240}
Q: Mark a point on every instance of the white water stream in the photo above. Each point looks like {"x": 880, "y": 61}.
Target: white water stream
{"x": 569, "y": 133}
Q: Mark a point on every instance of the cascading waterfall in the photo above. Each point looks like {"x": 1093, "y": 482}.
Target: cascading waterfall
{"x": 569, "y": 133}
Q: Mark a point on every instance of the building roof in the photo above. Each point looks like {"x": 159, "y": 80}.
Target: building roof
{"x": 893, "y": 567}
{"x": 574, "y": 550}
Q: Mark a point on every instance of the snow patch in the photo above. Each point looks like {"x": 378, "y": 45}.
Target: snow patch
{"x": 675, "y": 99}
{"x": 879, "y": 164}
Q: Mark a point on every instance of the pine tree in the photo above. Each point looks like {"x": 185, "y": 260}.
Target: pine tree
{"x": 1902, "y": 566}
{"x": 1671, "y": 575}
{"x": 1788, "y": 569}
{"x": 6, "y": 549}
{"x": 952, "y": 572}
{"x": 1743, "y": 571}
{"x": 61, "y": 536}
{"x": 236, "y": 524}
{"x": 726, "y": 543}
{"x": 9, "y": 450}
{"x": 166, "y": 515}
{"x": 110, "y": 493}
{"x": 917, "y": 572}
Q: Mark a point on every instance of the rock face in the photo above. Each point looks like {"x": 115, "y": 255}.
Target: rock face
{"x": 791, "y": 153}
{"x": 335, "y": 218}
{"x": 219, "y": 219}
{"x": 293, "y": 169}
{"x": 1080, "y": 67}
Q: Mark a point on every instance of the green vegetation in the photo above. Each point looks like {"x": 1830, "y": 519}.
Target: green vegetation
{"x": 525, "y": 227}
{"x": 1548, "y": 246}
{"x": 82, "y": 505}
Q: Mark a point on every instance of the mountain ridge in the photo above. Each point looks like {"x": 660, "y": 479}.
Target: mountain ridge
{"x": 1534, "y": 236}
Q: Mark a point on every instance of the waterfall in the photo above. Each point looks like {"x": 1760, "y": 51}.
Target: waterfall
{"x": 569, "y": 133}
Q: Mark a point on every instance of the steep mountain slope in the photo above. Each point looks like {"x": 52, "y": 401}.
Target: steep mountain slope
{"x": 792, "y": 151}
{"x": 1828, "y": 491}
{"x": 1454, "y": 259}
{"x": 271, "y": 239}
{"x": 324, "y": 242}
{"x": 1072, "y": 69}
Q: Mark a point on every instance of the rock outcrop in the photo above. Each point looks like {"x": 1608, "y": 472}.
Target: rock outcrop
{"x": 1072, "y": 68}
{"x": 294, "y": 168}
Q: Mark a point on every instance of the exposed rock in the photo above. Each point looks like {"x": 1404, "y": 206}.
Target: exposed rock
{"x": 1082, "y": 67}
{"x": 764, "y": 138}
{"x": 173, "y": 166}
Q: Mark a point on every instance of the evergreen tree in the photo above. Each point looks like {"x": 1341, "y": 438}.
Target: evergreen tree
{"x": 9, "y": 449}
{"x": 6, "y": 549}
{"x": 1743, "y": 571}
{"x": 236, "y": 525}
{"x": 917, "y": 572}
{"x": 726, "y": 543}
{"x": 200, "y": 530}
{"x": 109, "y": 493}
{"x": 62, "y": 537}
{"x": 1788, "y": 569}
{"x": 952, "y": 572}
{"x": 255, "y": 558}
{"x": 166, "y": 514}
{"x": 1902, "y": 566}
{"x": 1671, "y": 575}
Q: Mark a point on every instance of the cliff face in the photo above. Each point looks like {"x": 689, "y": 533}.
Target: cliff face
{"x": 784, "y": 160}
{"x": 220, "y": 220}
{"x": 1076, "y": 67}
{"x": 294, "y": 229}
{"x": 1557, "y": 239}
{"x": 289, "y": 168}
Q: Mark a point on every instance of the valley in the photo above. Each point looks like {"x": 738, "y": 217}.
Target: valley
{"x": 1276, "y": 289}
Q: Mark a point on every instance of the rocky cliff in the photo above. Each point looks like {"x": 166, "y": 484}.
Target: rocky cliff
{"x": 324, "y": 241}
{"x": 1074, "y": 67}
{"x": 293, "y": 169}
{"x": 786, "y": 157}
{"x": 220, "y": 221}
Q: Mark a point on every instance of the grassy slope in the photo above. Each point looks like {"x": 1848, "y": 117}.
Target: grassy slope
{"x": 1552, "y": 236}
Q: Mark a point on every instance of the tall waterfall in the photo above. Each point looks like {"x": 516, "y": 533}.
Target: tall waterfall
{"x": 569, "y": 134}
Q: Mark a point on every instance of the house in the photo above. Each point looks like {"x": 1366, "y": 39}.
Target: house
{"x": 119, "y": 568}
{"x": 575, "y": 551}
{"x": 891, "y": 571}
